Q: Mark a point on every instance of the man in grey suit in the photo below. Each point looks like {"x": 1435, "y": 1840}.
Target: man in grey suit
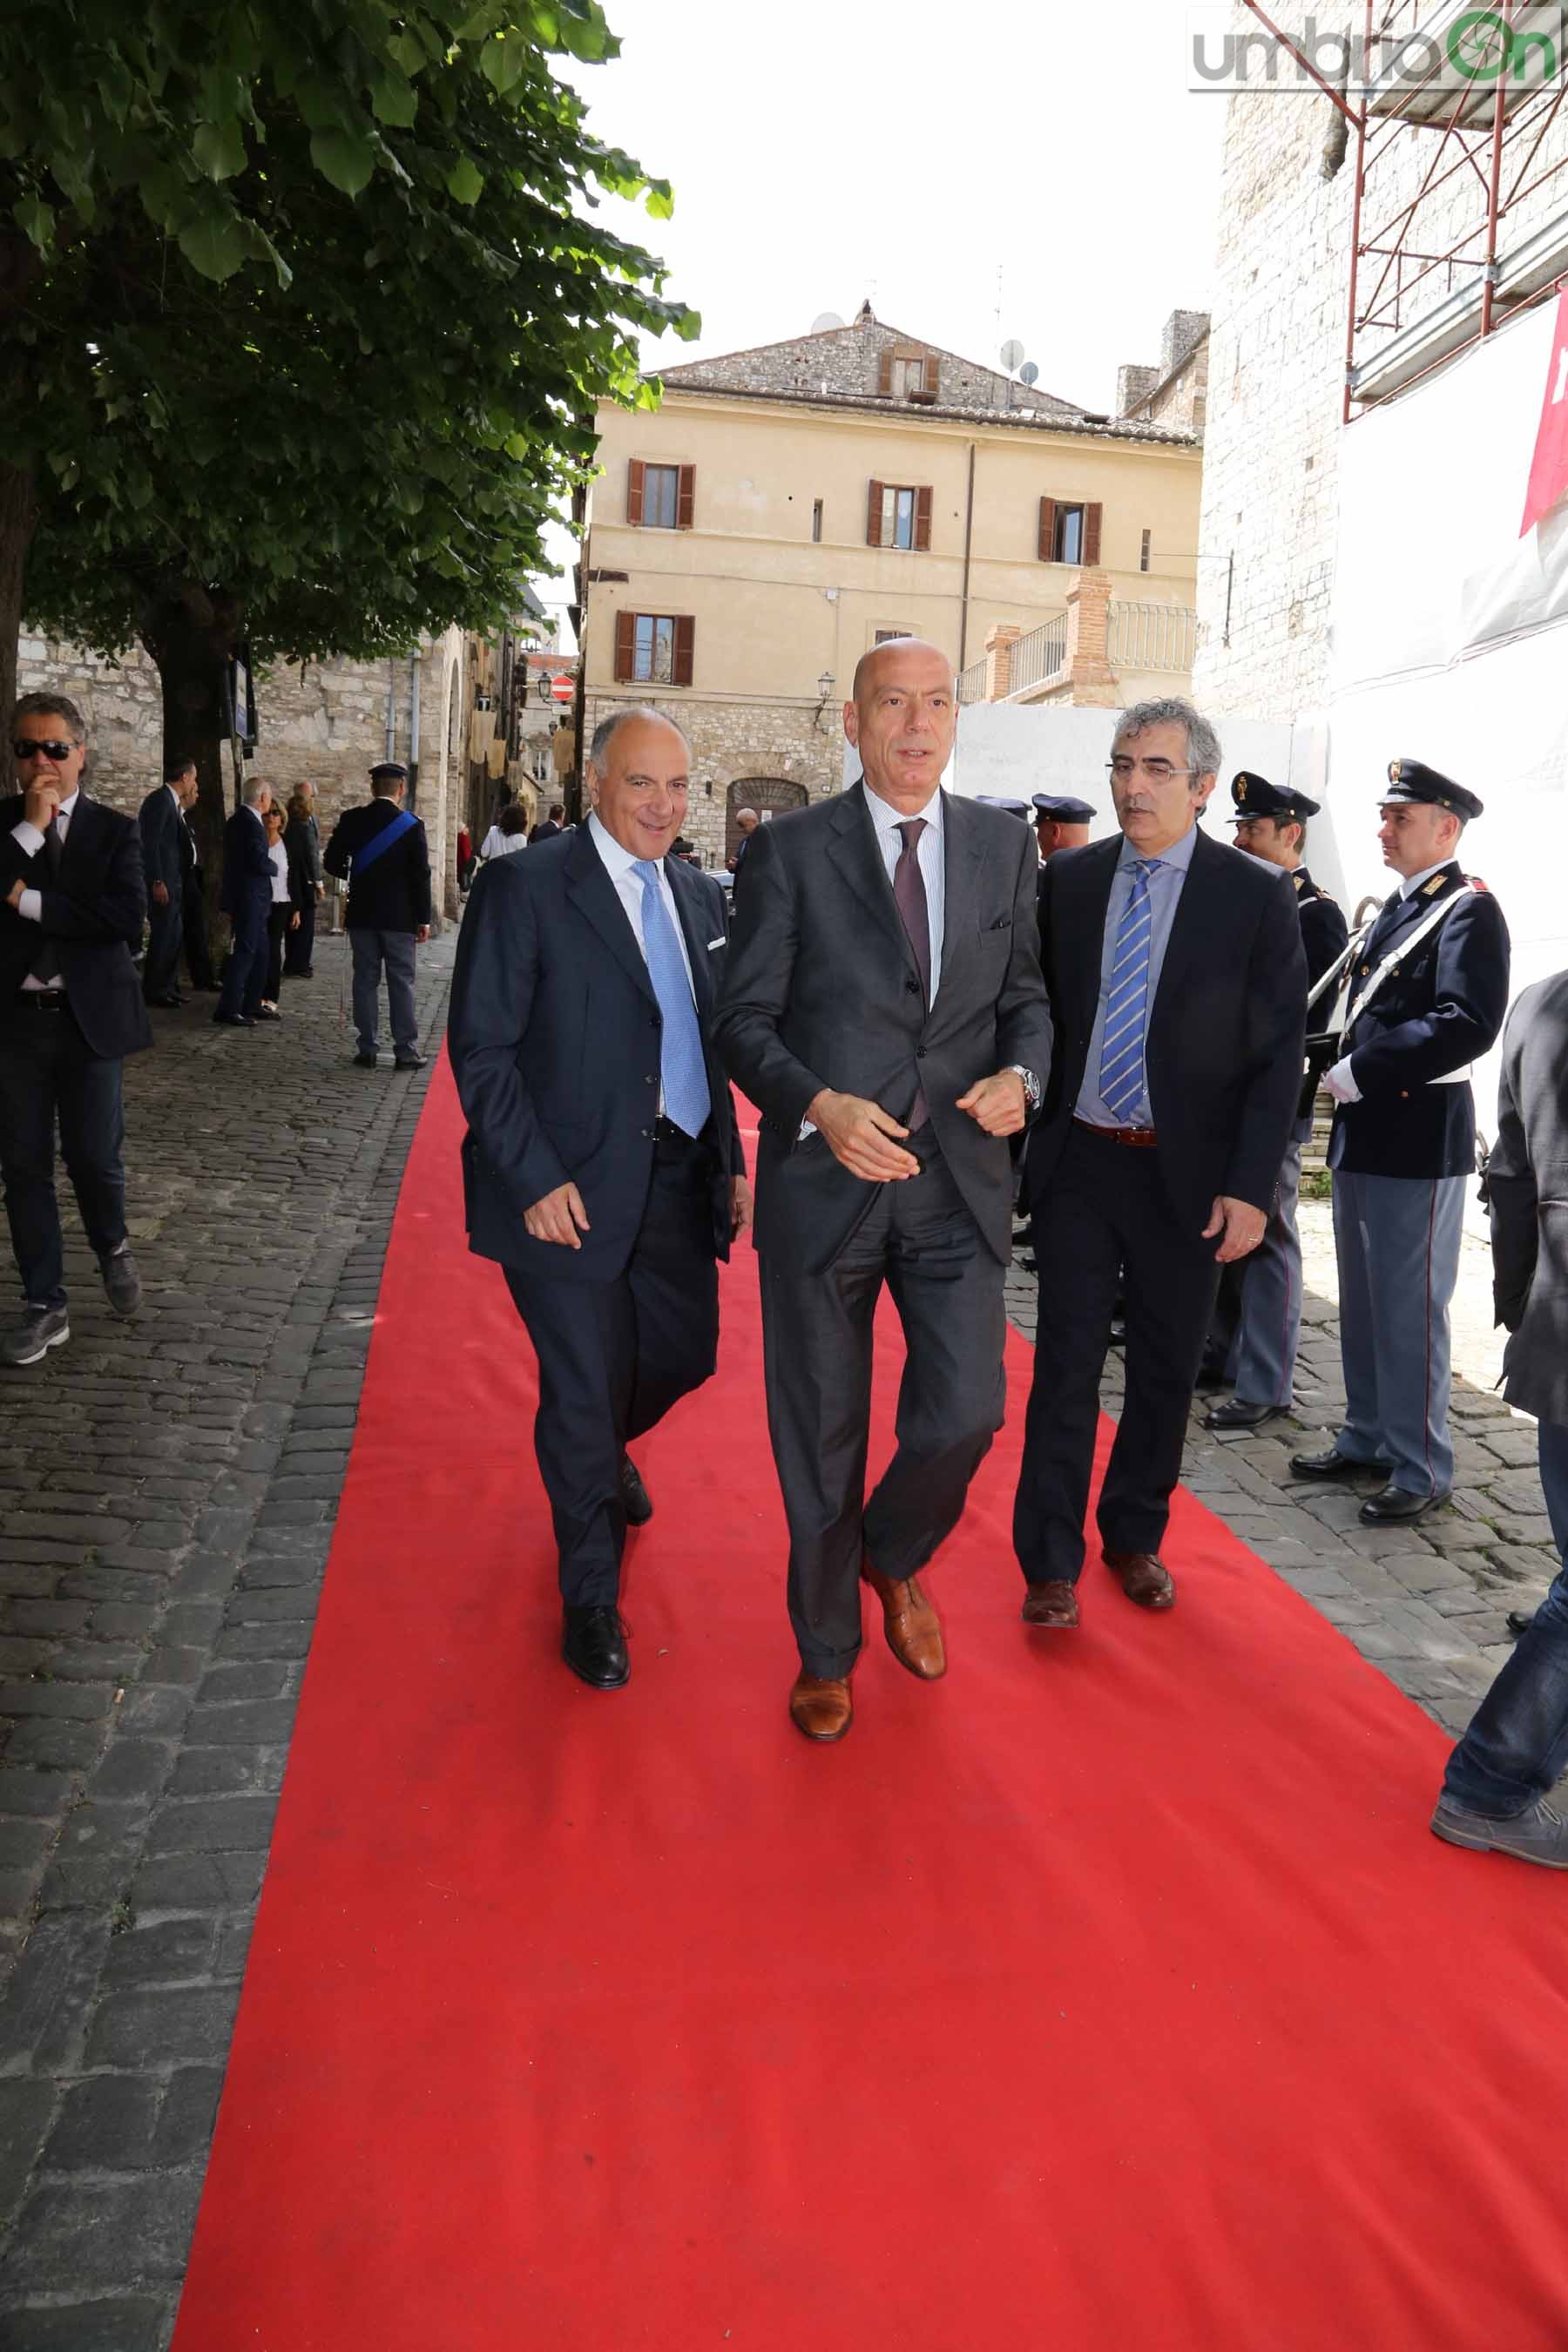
{"x": 884, "y": 1010}
{"x": 1496, "y": 1787}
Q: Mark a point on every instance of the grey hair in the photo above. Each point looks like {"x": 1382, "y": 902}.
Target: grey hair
{"x": 604, "y": 733}
{"x": 51, "y": 706}
{"x": 254, "y": 786}
{"x": 1170, "y": 710}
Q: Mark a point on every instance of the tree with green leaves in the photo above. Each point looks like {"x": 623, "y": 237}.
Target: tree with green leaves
{"x": 306, "y": 318}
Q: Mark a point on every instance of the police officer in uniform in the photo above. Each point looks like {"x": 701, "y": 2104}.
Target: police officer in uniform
{"x": 1060, "y": 822}
{"x": 1404, "y": 1143}
{"x": 1257, "y": 1316}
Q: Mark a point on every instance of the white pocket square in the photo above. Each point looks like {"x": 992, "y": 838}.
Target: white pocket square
{"x": 716, "y": 943}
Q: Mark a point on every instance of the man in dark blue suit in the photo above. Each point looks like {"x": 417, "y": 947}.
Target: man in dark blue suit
{"x": 602, "y": 1167}
{"x": 1428, "y": 992}
{"x": 72, "y": 903}
{"x": 162, "y": 864}
{"x": 247, "y": 895}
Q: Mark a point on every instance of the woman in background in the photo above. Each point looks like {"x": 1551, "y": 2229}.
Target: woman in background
{"x": 282, "y": 916}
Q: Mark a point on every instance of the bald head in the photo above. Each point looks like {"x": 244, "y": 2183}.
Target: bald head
{"x": 901, "y": 720}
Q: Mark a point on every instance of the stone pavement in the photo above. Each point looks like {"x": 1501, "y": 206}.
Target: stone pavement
{"x": 1427, "y": 1605}
{"x": 167, "y": 1491}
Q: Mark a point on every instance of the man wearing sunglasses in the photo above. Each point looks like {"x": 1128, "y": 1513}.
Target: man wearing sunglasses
{"x": 72, "y": 905}
{"x": 1178, "y": 988}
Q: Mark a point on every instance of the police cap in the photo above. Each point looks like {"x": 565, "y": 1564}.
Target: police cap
{"x": 1255, "y": 796}
{"x": 1411, "y": 781}
{"x": 384, "y": 768}
{"x": 1062, "y": 810}
{"x": 1008, "y": 808}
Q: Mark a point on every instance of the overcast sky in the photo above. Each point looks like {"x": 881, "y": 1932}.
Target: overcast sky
{"x": 842, "y": 149}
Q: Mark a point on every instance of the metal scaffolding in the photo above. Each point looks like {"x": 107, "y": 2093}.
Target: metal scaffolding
{"x": 1440, "y": 257}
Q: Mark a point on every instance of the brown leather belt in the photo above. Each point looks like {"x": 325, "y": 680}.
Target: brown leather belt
{"x": 1139, "y": 1138}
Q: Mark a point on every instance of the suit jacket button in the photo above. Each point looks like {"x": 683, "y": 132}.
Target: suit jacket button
{"x": 913, "y": 986}
{"x": 919, "y": 1052}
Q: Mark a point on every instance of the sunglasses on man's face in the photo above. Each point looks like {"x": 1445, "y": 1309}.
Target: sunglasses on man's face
{"x": 28, "y": 747}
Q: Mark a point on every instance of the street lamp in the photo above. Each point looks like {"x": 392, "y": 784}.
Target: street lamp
{"x": 825, "y": 685}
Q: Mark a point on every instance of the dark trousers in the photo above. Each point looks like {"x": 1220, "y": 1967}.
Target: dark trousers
{"x": 194, "y": 925}
{"x": 920, "y": 1238}
{"x": 278, "y": 916}
{"x": 161, "y": 965}
{"x": 48, "y": 1074}
{"x": 300, "y": 946}
{"x": 613, "y": 1356}
{"x": 1104, "y": 1218}
{"x": 1516, "y": 1749}
{"x": 247, "y": 967}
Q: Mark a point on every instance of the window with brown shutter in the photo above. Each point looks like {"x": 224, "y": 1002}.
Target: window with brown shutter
{"x": 654, "y": 648}
{"x": 633, "y": 492}
{"x": 1091, "y": 518}
{"x": 885, "y": 375}
{"x": 897, "y": 514}
{"x": 625, "y": 627}
{"x": 1047, "y": 542}
{"x": 659, "y": 498}
{"x": 686, "y": 497}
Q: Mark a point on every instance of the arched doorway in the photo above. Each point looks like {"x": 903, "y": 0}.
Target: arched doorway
{"x": 769, "y": 795}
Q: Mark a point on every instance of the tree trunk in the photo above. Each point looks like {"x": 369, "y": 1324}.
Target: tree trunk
{"x": 192, "y": 633}
{"x": 19, "y": 520}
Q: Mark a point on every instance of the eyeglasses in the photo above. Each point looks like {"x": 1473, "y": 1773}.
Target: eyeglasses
{"x": 1158, "y": 771}
{"x": 25, "y": 748}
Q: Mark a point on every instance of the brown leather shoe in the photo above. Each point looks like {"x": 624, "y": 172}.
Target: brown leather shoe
{"x": 820, "y": 1707}
{"x": 1054, "y": 1604}
{"x": 910, "y": 1623}
{"x": 1143, "y": 1578}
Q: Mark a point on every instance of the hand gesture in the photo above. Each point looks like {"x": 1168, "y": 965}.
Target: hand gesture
{"x": 558, "y": 1217}
{"x": 1241, "y": 1224}
{"x": 861, "y": 1136}
{"x": 998, "y": 1104}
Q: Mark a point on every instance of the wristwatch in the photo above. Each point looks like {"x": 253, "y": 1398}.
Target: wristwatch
{"x": 1031, "y": 1086}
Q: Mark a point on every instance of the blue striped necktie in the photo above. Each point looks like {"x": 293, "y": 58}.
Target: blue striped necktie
{"x": 683, "y": 1072}
{"x": 1127, "y": 1007}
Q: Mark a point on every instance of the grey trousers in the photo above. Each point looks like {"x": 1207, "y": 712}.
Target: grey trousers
{"x": 1257, "y": 1316}
{"x": 395, "y": 949}
{"x": 1397, "y": 1240}
{"x": 920, "y": 1239}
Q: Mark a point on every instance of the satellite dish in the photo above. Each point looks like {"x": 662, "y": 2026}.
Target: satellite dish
{"x": 1028, "y": 372}
{"x": 825, "y": 321}
{"x": 1012, "y": 352}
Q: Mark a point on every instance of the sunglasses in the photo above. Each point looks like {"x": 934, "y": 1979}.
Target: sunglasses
{"x": 25, "y": 747}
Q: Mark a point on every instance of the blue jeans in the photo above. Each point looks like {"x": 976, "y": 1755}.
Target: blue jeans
{"x": 1517, "y": 1747}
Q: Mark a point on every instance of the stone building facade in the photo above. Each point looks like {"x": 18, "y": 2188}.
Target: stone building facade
{"x": 325, "y": 723}
{"x": 1276, "y": 359}
{"x": 1176, "y": 392}
{"x": 784, "y": 509}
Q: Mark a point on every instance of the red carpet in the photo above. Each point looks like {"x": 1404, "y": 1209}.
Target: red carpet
{"x": 1110, "y": 1997}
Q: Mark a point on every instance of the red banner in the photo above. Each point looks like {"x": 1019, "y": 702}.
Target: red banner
{"x": 1548, "y": 467}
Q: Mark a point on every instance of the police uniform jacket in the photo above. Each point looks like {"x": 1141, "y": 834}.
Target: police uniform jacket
{"x": 1527, "y": 1184}
{"x": 1438, "y": 1011}
{"x": 1324, "y": 932}
{"x": 394, "y": 893}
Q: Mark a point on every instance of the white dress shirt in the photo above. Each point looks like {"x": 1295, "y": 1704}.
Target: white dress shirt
{"x": 30, "y": 905}
{"x": 886, "y": 821}
{"x": 278, "y": 858}
{"x": 621, "y": 865}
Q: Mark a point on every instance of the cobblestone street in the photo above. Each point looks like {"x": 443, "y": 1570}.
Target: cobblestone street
{"x": 167, "y": 1490}
{"x": 168, "y": 1487}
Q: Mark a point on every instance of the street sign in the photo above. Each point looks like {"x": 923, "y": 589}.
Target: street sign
{"x": 564, "y": 689}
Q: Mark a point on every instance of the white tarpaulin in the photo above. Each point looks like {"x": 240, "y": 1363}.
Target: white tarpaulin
{"x": 1449, "y": 634}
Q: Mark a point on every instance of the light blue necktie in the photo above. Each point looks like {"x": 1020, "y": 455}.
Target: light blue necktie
{"x": 1127, "y": 1007}
{"x": 683, "y": 1072}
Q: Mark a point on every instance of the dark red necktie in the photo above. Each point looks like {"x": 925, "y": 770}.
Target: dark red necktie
{"x": 909, "y": 890}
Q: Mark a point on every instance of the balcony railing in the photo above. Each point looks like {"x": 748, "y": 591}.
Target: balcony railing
{"x": 972, "y": 683}
{"x": 1039, "y": 655}
{"x": 1151, "y": 637}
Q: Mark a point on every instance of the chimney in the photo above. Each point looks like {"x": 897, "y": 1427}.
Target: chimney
{"x": 1133, "y": 386}
{"x": 1182, "y": 329}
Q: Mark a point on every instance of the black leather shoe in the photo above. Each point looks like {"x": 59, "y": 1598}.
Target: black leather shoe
{"x": 633, "y": 1493}
{"x": 1234, "y": 1414}
{"x": 1392, "y": 1506}
{"x": 234, "y": 1020}
{"x": 268, "y": 1013}
{"x": 1333, "y": 1464}
{"x": 593, "y": 1644}
{"x": 165, "y": 1003}
{"x": 409, "y": 1062}
{"x": 365, "y": 1061}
